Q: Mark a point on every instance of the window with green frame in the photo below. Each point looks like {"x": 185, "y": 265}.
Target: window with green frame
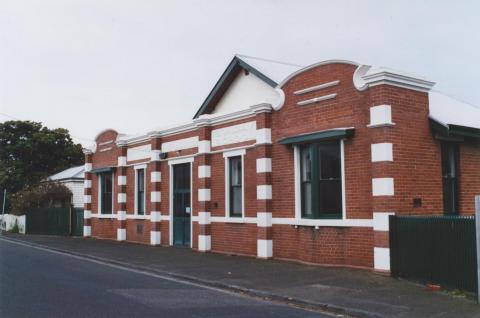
{"x": 106, "y": 192}
{"x": 321, "y": 180}
{"x": 140, "y": 191}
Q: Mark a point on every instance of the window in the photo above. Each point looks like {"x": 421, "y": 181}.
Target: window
{"x": 140, "y": 191}
{"x": 235, "y": 186}
{"x": 321, "y": 180}
{"x": 450, "y": 177}
{"x": 106, "y": 193}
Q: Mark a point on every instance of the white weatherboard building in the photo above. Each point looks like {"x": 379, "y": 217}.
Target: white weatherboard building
{"x": 73, "y": 179}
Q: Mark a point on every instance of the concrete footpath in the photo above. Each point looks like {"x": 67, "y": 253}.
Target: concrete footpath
{"x": 352, "y": 292}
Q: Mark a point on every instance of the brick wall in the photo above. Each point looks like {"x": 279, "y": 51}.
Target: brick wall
{"x": 415, "y": 169}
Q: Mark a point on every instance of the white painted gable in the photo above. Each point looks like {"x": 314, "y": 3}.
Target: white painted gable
{"x": 245, "y": 91}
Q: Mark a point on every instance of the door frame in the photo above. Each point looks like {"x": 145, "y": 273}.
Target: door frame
{"x": 171, "y": 163}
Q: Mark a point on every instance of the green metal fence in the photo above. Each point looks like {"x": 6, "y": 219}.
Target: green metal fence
{"x": 49, "y": 221}
{"x": 434, "y": 249}
{"x": 77, "y": 222}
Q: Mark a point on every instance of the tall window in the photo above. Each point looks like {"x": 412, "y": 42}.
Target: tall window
{"x": 235, "y": 184}
{"x": 450, "y": 177}
{"x": 321, "y": 180}
{"x": 106, "y": 193}
{"x": 140, "y": 195}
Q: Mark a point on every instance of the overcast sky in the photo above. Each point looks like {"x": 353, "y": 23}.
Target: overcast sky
{"x": 136, "y": 65}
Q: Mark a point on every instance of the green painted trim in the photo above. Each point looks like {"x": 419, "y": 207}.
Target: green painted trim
{"x": 318, "y": 136}
{"x": 102, "y": 170}
{"x": 233, "y": 67}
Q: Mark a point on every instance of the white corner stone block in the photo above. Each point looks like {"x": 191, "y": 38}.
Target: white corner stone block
{"x": 382, "y": 152}
{"x": 156, "y": 176}
{"x": 155, "y": 155}
{"x": 87, "y": 184}
{"x": 121, "y": 234}
{"x": 264, "y": 136}
{"x": 155, "y": 196}
{"x": 382, "y": 186}
{"x": 264, "y": 192}
{"x": 87, "y": 230}
{"x": 122, "y": 180}
{"x": 381, "y": 221}
{"x": 87, "y": 198}
{"x": 122, "y": 161}
{"x": 204, "y": 243}
{"x": 155, "y": 216}
{"x": 155, "y": 237}
{"x": 88, "y": 167}
{"x": 381, "y": 258}
{"x": 204, "y": 171}
{"x": 380, "y": 115}
{"x": 264, "y": 219}
{"x": 264, "y": 248}
{"x": 264, "y": 165}
{"x": 204, "y": 146}
{"x": 122, "y": 198}
{"x": 121, "y": 215}
{"x": 204, "y": 195}
{"x": 87, "y": 214}
{"x": 203, "y": 218}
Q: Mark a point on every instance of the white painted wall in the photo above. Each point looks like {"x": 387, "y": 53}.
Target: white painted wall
{"x": 140, "y": 152}
{"x": 7, "y": 222}
{"x": 245, "y": 91}
{"x": 77, "y": 191}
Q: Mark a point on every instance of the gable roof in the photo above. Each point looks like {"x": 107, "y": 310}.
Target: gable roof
{"x": 70, "y": 173}
{"x": 271, "y": 72}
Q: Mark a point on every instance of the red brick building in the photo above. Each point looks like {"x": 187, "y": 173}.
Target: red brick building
{"x": 299, "y": 163}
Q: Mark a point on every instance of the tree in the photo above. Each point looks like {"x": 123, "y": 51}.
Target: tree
{"x": 45, "y": 195}
{"x": 30, "y": 152}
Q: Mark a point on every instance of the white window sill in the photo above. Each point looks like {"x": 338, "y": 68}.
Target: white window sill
{"x": 324, "y": 222}
{"x": 138, "y": 217}
{"x": 105, "y": 216}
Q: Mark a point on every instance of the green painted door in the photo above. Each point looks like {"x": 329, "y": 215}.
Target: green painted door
{"x": 181, "y": 204}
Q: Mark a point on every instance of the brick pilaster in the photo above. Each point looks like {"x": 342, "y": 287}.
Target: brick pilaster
{"x": 155, "y": 193}
{"x": 87, "y": 191}
{"x": 121, "y": 186}
{"x": 264, "y": 181}
{"x": 204, "y": 194}
{"x": 383, "y": 186}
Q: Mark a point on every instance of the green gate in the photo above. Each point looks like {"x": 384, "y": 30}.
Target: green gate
{"x": 49, "y": 221}
{"x": 77, "y": 222}
{"x": 435, "y": 249}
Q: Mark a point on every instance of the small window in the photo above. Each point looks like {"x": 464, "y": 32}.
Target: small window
{"x": 235, "y": 191}
{"x": 106, "y": 193}
{"x": 450, "y": 177}
{"x": 140, "y": 191}
{"x": 321, "y": 180}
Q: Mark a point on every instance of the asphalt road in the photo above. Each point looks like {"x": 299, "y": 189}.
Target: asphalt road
{"x": 41, "y": 283}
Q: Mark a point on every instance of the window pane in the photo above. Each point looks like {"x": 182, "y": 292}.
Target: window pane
{"x": 307, "y": 199}
{"x": 306, "y": 163}
{"x": 107, "y": 187}
{"x": 330, "y": 199}
{"x": 329, "y": 160}
{"x": 329, "y": 180}
{"x": 235, "y": 169}
{"x": 141, "y": 179}
{"x": 140, "y": 191}
{"x": 236, "y": 201}
{"x": 449, "y": 176}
